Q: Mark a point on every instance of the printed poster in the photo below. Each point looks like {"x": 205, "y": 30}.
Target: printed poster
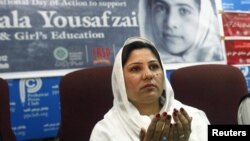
{"x": 238, "y": 51}
{"x": 236, "y": 24}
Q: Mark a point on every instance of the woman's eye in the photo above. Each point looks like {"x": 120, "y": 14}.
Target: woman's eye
{"x": 184, "y": 11}
{"x": 135, "y": 69}
{"x": 159, "y": 7}
{"x": 154, "y": 67}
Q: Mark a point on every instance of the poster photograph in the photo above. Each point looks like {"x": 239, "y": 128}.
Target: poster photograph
{"x": 188, "y": 37}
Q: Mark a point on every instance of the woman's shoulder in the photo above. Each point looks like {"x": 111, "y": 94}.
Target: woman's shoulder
{"x": 104, "y": 129}
{"x": 109, "y": 120}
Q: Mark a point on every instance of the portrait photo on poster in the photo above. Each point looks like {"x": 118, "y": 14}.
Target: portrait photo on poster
{"x": 184, "y": 31}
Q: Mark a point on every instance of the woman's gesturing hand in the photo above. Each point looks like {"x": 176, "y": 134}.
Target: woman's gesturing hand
{"x": 181, "y": 130}
{"x": 158, "y": 128}
{"x": 161, "y": 129}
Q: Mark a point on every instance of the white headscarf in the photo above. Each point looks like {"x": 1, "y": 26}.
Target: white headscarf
{"x": 124, "y": 121}
{"x": 207, "y": 45}
{"x": 244, "y": 111}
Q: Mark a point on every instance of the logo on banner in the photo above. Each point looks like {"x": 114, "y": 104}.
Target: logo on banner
{"x": 61, "y": 53}
{"x": 101, "y": 55}
{"x": 29, "y": 86}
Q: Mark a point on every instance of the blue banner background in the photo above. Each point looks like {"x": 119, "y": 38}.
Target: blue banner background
{"x": 35, "y": 107}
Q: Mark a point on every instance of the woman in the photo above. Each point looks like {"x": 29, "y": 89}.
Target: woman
{"x": 144, "y": 107}
{"x": 183, "y": 30}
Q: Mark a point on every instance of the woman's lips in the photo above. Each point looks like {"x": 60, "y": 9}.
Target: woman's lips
{"x": 149, "y": 86}
{"x": 171, "y": 36}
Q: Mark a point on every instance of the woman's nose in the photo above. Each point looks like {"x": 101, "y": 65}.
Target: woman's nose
{"x": 171, "y": 19}
{"x": 148, "y": 75}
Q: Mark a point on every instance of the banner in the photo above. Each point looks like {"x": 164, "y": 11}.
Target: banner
{"x": 238, "y": 52}
{"x": 236, "y": 24}
{"x": 236, "y": 28}
{"x": 35, "y": 107}
{"x": 43, "y": 38}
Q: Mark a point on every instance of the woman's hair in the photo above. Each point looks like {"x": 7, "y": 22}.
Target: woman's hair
{"x": 128, "y": 48}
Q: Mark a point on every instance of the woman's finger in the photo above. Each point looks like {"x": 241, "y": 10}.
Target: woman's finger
{"x": 179, "y": 126}
{"x": 152, "y": 126}
{"x": 159, "y": 127}
{"x": 142, "y": 134}
{"x": 166, "y": 129}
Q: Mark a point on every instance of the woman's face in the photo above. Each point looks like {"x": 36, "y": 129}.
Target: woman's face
{"x": 143, "y": 77}
{"x": 176, "y": 23}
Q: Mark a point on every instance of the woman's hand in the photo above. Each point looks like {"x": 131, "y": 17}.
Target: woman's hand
{"x": 161, "y": 129}
{"x": 181, "y": 130}
{"x": 158, "y": 128}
